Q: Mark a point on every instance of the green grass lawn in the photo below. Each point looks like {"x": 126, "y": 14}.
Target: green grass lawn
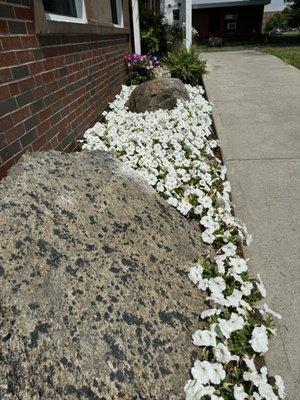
{"x": 289, "y": 54}
{"x": 285, "y": 47}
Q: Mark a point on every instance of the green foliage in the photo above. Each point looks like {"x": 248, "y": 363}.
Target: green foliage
{"x": 277, "y": 20}
{"x": 154, "y": 32}
{"x": 186, "y": 65}
{"x": 292, "y": 14}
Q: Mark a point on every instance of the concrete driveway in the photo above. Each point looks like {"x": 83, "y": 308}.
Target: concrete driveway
{"x": 256, "y": 100}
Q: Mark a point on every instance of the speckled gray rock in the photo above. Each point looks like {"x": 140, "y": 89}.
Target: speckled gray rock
{"x": 95, "y": 300}
{"x": 159, "y": 93}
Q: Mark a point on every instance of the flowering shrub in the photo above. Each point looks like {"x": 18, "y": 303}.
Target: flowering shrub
{"x": 140, "y": 68}
{"x": 174, "y": 151}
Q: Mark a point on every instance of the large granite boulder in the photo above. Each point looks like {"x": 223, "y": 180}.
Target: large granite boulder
{"x": 158, "y": 93}
{"x": 95, "y": 300}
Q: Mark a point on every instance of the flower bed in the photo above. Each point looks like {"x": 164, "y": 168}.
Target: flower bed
{"x": 175, "y": 153}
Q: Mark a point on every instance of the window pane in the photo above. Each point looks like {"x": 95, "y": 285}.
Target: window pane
{"x": 114, "y": 12}
{"x": 61, "y": 7}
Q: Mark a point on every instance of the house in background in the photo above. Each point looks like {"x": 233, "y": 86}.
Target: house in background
{"x": 231, "y": 19}
{"x": 274, "y": 7}
{"x": 61, "y": 62}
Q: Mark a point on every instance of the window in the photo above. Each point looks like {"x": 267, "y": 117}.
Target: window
{"x": 231, "y": 26}
{"x": 65, "y": 11}
{"x": 176, "y": 15}
{"x": 117, "y": 12}
{"x": 214, "y": 22}
{"x": 231, "y": 17}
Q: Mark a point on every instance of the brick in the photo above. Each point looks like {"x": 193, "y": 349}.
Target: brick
{"x": 11, "y": 42}
{"x": 29, "y": 41}
{"x": 7, "y": 11}
{"x": 25, "y": 98}
{"x": 37, "y": 106}
{"x": 5, "y": 75}
{"x": 4, "y": 92}
{"x": 14, "y": 133}
{"x": 10, "y": 150}
{"x": 20, "y": 115}
{"x": 2, "y": 141}
{"x": 36, "y": 67}
{"x": 31, "y": 122}
{"x": 24, "y": 56}
{"x": 39, "y": 143}
{"x": 24, "y": 13}
{"x": 5, "y": 123}
{"x": 3, "y": 27}
{"x": 26, "y": 84}
{"x": 7, "y": 106}
{"x": 43, "y": 127}
{"x": 28, "y": 138}
{"x": 20, "y": 71}
{"x": 8, "y": 58}
{"x": 17, "y": 27}
{"x": 14, "y": 88}
{"x": 30, "y": 28}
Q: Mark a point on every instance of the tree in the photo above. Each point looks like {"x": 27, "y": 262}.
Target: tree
{"x": 292, "y": 14}
{"x": 277, "y": 20}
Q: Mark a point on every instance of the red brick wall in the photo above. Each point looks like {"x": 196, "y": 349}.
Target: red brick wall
{"x": 52, "y": 88}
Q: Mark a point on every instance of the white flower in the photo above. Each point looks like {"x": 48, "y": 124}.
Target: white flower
{"x": 229, "y": 249}
{"x": 204, "y": 338}
{"x": 246, "y": 288}
{"x": 195, "y": 273}
{"x": 223, "y": 355}
{"x": 216, "y": 373}
{"x": 280, "y": 386}
{"x": 205, "y": 372}
{"x": 259, "y": 339}
{"x": 265, "y": 309}
{"x": 194, "y": 390}
{"x": 210, "y": 312}
{"x": 200, "y": 373}
{"x": 239, "y": 393}
{"x": 238, "y": 264}
{"x": 260, "y": 287}
{"x": 235, "y": 323}
{"x": 235, "y": 298}
{"x": 266, "y": 391}
{"x": 216, "y": 285}
{"x": 208, "y": 237}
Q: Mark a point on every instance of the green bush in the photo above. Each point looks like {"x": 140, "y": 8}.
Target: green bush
{"x": 154, "y": 32}
{"x": 186, "y": 65}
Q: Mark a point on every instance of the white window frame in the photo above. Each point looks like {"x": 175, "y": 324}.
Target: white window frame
{"x": 120, "y": 16}
{"x": 80, "y": 10}
{"x": 232, "y": 17}
{"x": 231, "y": 26}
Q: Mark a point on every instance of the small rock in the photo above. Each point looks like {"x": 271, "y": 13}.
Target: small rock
{"x": 160, "y": 93}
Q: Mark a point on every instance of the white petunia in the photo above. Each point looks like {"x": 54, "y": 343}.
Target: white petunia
{"x": 207, "y": 236}
{"x": 260, "y": 286}
{"x": 259, "y": 339}
{"x": 210, "y": 312}
{"x": 194, "y": 390}
{"x": 204, "y": 338}
{"x": 223, "y": 355}
{"x": 265, "y": 309}
{"x": 216, "y": 285}
{"x": 238, "y": 264}
{"x": 227, "y": 327}
{"x": 195, "y": 273}
{"x": 280, "y": 386}
{"x": 239, "y": 393}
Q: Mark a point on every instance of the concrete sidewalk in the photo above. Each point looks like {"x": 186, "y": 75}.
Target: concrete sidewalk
{"x": 257, "y": 117}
